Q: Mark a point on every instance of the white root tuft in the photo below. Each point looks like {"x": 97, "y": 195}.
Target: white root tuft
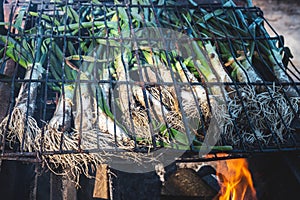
{"x": 266, "y": 117}
{"x": 17, "y": 129}
{"x": 66, "y": 164}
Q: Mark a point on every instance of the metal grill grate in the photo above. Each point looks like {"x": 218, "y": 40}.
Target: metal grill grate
{"x": 138, "y": 76}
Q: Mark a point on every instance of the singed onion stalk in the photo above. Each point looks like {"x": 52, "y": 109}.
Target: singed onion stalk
{"x": 20, "y": 124}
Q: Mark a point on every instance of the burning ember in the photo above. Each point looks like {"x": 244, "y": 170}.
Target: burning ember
{"x": 235, "y": 180}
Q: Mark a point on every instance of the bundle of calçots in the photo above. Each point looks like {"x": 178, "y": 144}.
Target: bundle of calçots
{"x": 146, "y": 92}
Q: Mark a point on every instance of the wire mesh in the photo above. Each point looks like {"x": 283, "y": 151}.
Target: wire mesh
{"x": 92, "y": 78}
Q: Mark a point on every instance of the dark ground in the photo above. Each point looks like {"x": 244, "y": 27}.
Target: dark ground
{"x": 272, "y": 177}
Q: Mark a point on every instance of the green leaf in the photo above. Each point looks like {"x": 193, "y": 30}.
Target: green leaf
{"x": 4, "y": 24}
{"x": 72, "y": 14}
{"x": 19, "y": 19}
{"x": 71, "y": 48}
{"x": 122, "y": 14}
{"x": 46, "y": 18}
{"x": 17, "y": 49}
{"x": 111, "y": 43}
{"x": 102, "y": 103}
{"x": 55, "y": 68}
{"x": 179, "y": 137}
{"x": 26, "y": 46}
{"x": 20, "y": 58}
{"x": 76, "y": 26}
{"x": 234, "y": 73}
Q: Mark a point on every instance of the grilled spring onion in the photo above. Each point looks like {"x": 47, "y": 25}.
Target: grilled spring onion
{"x": 227, "y": 24}
{"x": 199, "y": 91}
{"x": 232, "y": 23}
{"x": 90, "y": 116}
{"x": 62, "y": 116}
{"x": 20, "y": 123}
{"x": 31, "y": 56}
{"x": 275, "y": 58}
{"x": 172, "y": 137}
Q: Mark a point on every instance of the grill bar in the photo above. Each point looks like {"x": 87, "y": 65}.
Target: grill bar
{"x": 125, "y": 91}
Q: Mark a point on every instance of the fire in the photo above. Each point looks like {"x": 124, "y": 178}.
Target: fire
{"x": 235, "y": 180}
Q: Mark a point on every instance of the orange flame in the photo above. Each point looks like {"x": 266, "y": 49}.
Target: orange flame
{"x": 235, "y": 180}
